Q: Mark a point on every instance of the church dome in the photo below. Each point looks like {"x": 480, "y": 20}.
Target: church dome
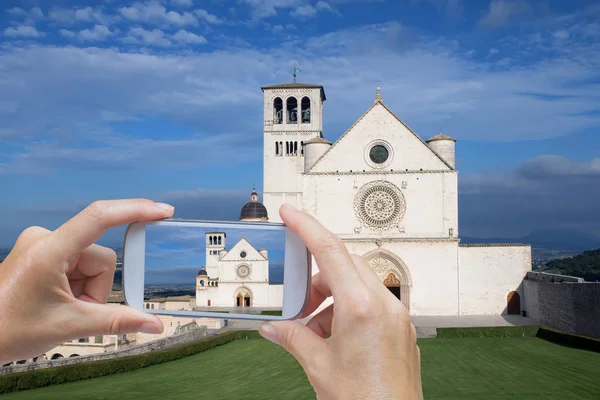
{"x": 202, "y": 272}
{"x": 253, "y": 210}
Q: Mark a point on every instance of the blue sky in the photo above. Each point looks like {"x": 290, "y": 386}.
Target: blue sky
{"x": 162, "y": 99}
{"x": 174, "y": 255}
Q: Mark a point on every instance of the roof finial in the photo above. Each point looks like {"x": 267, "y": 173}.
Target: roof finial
{"x": 378, "y": 97}
{"x": 296, "y": 69}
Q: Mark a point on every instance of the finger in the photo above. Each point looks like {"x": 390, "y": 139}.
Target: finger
{"x": 112, "y": 319}
{"x": 29, "y": 236}
{"x": 85, "y": 228}
{"x": 319, "y": 291}
{"x": 367, "y": 273}
{"x": 321, "y": 323}
{"x": 297, "y": 339}
{"x": 333, "y": 259}
{"x": 93, "y": 276}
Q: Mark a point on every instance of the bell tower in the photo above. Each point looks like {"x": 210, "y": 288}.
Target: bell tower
{"x": 293, "y": 114}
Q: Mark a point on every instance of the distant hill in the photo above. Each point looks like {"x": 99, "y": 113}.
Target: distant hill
{"x": 585, "y": 265}
{"x": 548, "y": 239}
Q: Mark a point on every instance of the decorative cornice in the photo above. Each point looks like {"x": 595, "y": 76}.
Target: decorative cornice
{"x": 293, "y": 132}
{"x": 379, "y": 172}
{"x": 494, "y": 245}
{"x": 399, "y": 240}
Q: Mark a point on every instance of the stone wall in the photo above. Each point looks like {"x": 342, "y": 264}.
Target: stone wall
{"x": 487, "y": 273}
{"x": 563, "y": 302}
{"x": 159, "y": 344}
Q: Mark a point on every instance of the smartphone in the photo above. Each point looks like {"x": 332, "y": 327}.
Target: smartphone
{"x": 229, "y": 270}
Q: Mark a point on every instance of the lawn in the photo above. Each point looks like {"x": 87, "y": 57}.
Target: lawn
{"x": 490, "y": 368}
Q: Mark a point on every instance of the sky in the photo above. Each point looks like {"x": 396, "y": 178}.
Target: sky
{"x": 161, "y": 99}
{"x": 174, "y": 255}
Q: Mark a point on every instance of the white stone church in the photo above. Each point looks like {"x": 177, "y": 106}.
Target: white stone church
{"x": 392, "y": 197}
{"x": 236, "y": 277}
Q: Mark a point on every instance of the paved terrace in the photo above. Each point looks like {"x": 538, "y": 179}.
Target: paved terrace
{"x": 426, "y": 326}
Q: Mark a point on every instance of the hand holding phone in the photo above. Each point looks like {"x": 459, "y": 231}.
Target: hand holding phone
{"x": 232, "y": 270}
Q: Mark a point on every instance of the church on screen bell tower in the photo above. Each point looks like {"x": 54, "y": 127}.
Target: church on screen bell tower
{"x": 392, "y": 197}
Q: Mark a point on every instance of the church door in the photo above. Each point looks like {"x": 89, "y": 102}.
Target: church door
{"x": 393, "y": 285}
{"x": 246, "y": 301}
{"x": 239, "y": 300}
{"x": 513, "y": 303}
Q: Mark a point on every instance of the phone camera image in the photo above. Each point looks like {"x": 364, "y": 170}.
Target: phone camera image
{"x": 219, "y": 269}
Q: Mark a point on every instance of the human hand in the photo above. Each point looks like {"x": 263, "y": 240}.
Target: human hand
{"x": 54, "y": 285}
{"x": 372, "y": 351}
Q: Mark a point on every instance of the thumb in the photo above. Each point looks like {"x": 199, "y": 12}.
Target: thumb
{"x": 114, "y": 319}
{"x": 297, "y": 339}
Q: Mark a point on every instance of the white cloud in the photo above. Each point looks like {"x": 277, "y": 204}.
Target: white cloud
{"x": 494, "y": 51}
{"x": 268, "y": 8}
{"x": 463, "y": 95}
{"x": 183, "y": 36}
{"x": 500, "y": 12}
{"x": 33, "y": 13}
{"x": 208, "y": 17}
{"x": 562, "y": 34}
{"x": 97, "y": 33}
{"x": 182, "y": 3}
{"x": 62, "y": 15}
{"x": 155, "y": 37}
{"x": 323, "y": 5}
{"x": 66, "y": 33}
{"x": 23, "y": 31}
{"x": 304, "y": 11}
{"x": 152, "y": 12}
{"x": 278, "y": 29}
{"x": 89, "y": 14}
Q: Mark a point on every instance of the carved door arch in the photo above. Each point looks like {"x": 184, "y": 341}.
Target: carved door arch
{"x": 393, "y": 273}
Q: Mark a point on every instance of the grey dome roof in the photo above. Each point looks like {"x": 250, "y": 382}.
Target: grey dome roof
{"x": 253, "y": 210}
{"x": 202, "y": 272}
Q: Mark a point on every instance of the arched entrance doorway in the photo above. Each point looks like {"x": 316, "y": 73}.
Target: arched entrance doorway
{"x": 243, "y": 297}
{"x": 393, "y": 273}
{"x": 393, "y": 285}
{"x": 513, "y": 303}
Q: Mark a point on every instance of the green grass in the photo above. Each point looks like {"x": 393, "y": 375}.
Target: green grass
{"x": 271, "y": 312}
{"x": 463, "y": 368}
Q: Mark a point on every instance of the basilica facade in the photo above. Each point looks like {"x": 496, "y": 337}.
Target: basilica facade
{"x": 392, "y": 197}
{"x": 237, "y": 276}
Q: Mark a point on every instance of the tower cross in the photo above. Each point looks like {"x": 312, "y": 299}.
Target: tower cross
{"x": 296, "y": 69}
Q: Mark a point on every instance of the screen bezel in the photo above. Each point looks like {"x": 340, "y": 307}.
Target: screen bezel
{"x": 296, "y": 278}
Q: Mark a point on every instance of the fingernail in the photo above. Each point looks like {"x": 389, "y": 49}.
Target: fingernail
{"x": 149, "y": 327}
{"x": 269, "y": 332}
{"x": 165, "y": 206}
{"x": 289, "y": 207}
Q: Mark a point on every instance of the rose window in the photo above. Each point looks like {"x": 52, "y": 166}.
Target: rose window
{"x": 380, "y": 205}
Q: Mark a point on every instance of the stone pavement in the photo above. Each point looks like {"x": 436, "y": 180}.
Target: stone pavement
{"x": 426, "y": 326}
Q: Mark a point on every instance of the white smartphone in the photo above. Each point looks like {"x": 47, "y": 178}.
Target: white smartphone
{"x": 229, "y": 270}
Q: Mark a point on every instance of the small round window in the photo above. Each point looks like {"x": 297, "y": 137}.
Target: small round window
{"x": 379, "y": 154}
{"x": 243, "y": 254}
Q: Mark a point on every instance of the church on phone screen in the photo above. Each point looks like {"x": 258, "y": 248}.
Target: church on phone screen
{"x": 392, "y": 197}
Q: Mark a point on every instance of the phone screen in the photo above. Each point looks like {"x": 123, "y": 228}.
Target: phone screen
{"x": 224, "y": 269}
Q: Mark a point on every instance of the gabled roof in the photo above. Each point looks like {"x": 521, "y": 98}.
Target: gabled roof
{"x": 380, "y": 102}
{"x": 247, "y": 246}
{"x": 296, "y": 85}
